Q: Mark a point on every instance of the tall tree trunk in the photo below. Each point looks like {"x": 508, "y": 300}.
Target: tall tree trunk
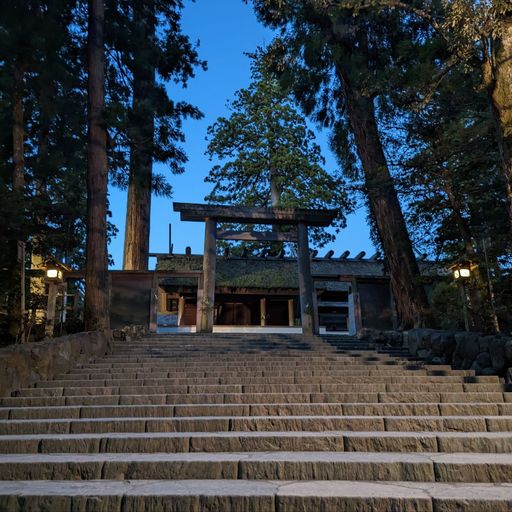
{"x": 275, "y": 202}
{"x": 96, "y": 273}
{"x": 498, "y": 80}
{"x": 275, "y": 192}
{"x": 138, "y": 213}
{"x": 482, "y": 317}
{"x": 16, "y": 299}
{"x": 408, "y": 291}
{"x": 37, "y": 260}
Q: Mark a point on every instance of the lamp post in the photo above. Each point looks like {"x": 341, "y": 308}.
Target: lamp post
{"x": 54, "y": 279}
{"x": 461, "y": 273}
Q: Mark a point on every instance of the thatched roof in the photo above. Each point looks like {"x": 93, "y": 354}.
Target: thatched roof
{"x": 273, "y": 273}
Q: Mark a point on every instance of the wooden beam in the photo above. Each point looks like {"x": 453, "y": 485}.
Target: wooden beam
{"x": 245, "y": 215}
{"x": 261, "y": 236}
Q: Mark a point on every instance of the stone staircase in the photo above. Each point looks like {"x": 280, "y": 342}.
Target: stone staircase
{"x": 253, "y": 423}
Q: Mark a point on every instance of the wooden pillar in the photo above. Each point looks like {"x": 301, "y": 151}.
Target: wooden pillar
{"x": 316, "y": 316}
{"x": 351, "y": 321}
{"x": 50, "y": 309}
{"x": 153, "y": 308}
{"x": 207, "y": 302}
{"x": 199, "y": 299}
{"x": 291, "y": 313}
{"x": 162, "y": 300}
{"x": 305, "y": 281}
{"x": 358, "y": 317}
{"x": 181, "y": 308}
{"x": 76, "y": 304}
{"x": 263, "y": 312}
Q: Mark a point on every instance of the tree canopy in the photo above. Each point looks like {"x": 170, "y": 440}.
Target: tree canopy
{"x": 268, "y": 156}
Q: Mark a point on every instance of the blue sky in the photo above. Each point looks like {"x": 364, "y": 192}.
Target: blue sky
{"x": 225, "y": 29}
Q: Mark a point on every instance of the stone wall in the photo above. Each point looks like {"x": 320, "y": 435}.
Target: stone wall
{"x": 23, "y": 365}
{"x": 487, "y": 355}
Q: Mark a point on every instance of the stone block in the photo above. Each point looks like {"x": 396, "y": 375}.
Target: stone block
{"x": 442, "y": 344}
{"x": 417, "y": 339}
{"x": 483, "y": 360}
{"x": 389, "y": 442}
{"x": 467, "y": 348}
{"x": 508, "y": 350}
{"x": 473, "y": 443}
{"x": 497, "y": 353}
{"x": 395, "y": 338}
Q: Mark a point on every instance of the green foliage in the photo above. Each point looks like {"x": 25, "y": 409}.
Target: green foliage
{"x": 39, "y": 39}
{"x": 173, "y": 59}
{"x": 446, "y": 306}
{"x": 450, "y": 167}
{"x": 268, "y": 156}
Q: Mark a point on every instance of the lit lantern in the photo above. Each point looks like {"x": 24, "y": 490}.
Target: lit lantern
{"x": 53, "y": 272}
{"x": 462, "y": 270}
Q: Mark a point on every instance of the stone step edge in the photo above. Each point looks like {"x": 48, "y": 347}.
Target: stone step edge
{"x": 261, "y": 433}
{"x": 312, "y": 417}
{"x": 274, "y": 496}
{"x": 439, "y": 397}
{"x": 259, "y": 441}
{"x": 298, "y": 465}
{"x": 258, "y": 404}
{"x": 249, "y": 389}
{"x": 273, "y": 456}
{"x": 244, "y": 410}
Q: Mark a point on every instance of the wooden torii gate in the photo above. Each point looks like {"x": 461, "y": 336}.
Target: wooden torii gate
{"x": 300, "y": 219}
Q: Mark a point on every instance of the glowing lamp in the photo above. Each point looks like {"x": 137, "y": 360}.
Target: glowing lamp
{"x": 53, "y": 272}
{"x": 462, "y": 270}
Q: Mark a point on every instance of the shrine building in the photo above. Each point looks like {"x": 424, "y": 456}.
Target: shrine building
{"x": 280, "y": 294}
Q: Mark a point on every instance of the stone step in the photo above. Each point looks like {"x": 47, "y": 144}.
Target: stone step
{"x": 276, "y": 409}
{"x": 245, "y": 343}
{"x": 261, "y": 388}
{"x": 260, "y": 423}
{"x": 260, "y": 410}
{"x": 212, "y": 442}
{"x": 364, "y": 371}
{"x": 408, "y": 467}
{"x": 263, "y": 371}
{"x": 248, "y": 352}
{"x": 159, "y": 366}
{"x": 202, "y": 353}
{"x": 257, "y": 352}
{"x": 216, "y": 364}
{"x": 253, "y": 496}
{"x": 271, "y": 380}
{"x": 255, "y": 398}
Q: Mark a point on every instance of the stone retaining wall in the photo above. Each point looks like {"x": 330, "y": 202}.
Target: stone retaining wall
{"x": 23, "y": 365}
{"x": 487, "y": 355}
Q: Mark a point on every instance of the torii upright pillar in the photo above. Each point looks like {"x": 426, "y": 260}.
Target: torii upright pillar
{"x": 207, "y": 298}
{"x": 305, "y": 281}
